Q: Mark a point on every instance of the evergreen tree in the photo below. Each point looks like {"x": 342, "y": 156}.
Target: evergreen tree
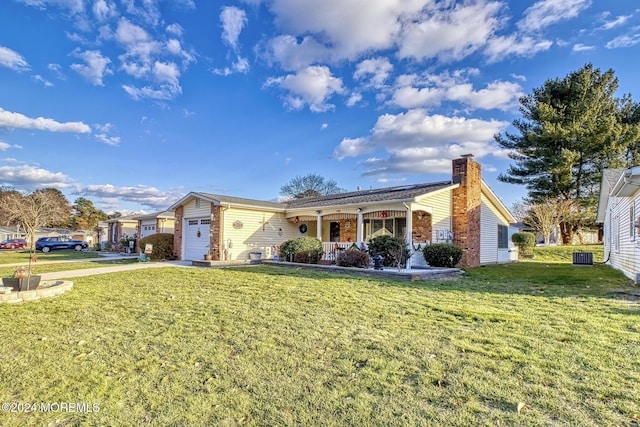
{"x": 571, "y": 130}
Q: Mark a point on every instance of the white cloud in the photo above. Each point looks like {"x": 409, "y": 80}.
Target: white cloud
{"x": 450, "y": 34}
{"x": 4, "y": 146}
{"x": 498, "y": 48}
{"x": 433, "y": 89}
{"x": 104, "y": 10}
{"x": 624, "y": 41}
{"x": 95, "y": 67}
{"x": 20, "y": 121}
{"x": 418, "y": 142}
{"x": 144, "y": 195}
{"x": 376, "y": 71}
{"x": 42, "y": 80}
{"x": 547, "y": 12}
{"x": 354, "y": 99}
{"x": 617, "y": 22}
{"x": 579, "y": 47}
{"x": 240, "y": 66}
{"x": 26, "y": 176}
{"x": 313, "y": 86}
{"x": 175, "y": 29}
{"x": 291, "y": 55}
{"x": 102, "y": 134}
{"x": 233, "y": 21}
{"x": 350, "y": 27}
{"x": 13, "y": 60}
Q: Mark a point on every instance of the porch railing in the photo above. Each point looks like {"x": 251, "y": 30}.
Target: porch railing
{"x": 332, "y": 249}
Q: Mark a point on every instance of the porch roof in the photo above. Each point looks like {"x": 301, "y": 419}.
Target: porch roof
{"x": 402, "y": 193}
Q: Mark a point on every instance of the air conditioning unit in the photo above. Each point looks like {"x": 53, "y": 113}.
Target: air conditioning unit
{"x": 583, "y": 258}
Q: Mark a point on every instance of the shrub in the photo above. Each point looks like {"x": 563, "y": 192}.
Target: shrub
{"x": 162, "y": 246}
{"x": 393, "y": 249}
{"x": 442, "y": 255}
{"x": 525, "y": 242}
{"x": 353, "y": 258}
{"x": 290, "y": 248}
{"x": 307, "y": 257}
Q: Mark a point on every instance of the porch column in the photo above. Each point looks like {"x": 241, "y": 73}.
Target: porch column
{"x": 319, "y": 227}
{"x": 409, "y": 237}
{"x": 360, "y": 229}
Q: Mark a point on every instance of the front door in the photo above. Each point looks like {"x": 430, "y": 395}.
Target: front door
{"x": 334, "y": 231}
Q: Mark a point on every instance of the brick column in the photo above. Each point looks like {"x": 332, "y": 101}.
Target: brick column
{"x": 466, "y": 209}
{"x": 177, "y": 232}
{"x": 215, "y": 233}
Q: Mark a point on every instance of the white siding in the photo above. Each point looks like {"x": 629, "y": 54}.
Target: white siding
{"x": 147, "y": 227}
{"x": 490, "y": 218}
{"x": 439, "y": 205}
{"x": 621, "y": 242}
{"x": 255, "y": 231}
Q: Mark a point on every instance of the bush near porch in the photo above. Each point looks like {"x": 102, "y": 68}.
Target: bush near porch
{"x": 290, "y": 248}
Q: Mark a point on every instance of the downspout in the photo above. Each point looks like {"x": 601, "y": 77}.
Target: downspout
{"x": 225, "y": 250}
{"x": 409, "y": 236}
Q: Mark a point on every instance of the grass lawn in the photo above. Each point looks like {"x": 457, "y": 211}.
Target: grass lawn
{"x": 524, "y": 344}
{"x": 562, "y": 254}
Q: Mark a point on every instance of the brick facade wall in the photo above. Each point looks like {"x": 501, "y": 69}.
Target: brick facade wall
{"x": 421, "y": 229}
{"x": 466, "y": 209}
{"x": 177, "y": 233}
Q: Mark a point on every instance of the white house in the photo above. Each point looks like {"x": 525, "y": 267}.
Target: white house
{"x": 619, "y": 212}
{"x": 463, "y": 210}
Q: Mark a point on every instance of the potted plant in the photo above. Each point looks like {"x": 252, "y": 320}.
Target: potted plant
{"x": 22, "y": 280}
{"x": 207, "y": 256}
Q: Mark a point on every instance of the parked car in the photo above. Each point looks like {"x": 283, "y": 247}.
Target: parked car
{"x": 46, "y": 244}
{"x": 13, "y": 244}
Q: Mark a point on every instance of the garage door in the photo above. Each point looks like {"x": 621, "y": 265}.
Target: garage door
{"x": 196, "y": 238}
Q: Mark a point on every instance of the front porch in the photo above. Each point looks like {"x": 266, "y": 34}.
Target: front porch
{"x": 340, "y": 230}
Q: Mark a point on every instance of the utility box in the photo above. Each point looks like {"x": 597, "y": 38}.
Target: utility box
{"x": 583, "y": 258}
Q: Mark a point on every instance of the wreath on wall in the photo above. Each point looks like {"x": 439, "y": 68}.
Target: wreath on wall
{"x": 303, "y": 228}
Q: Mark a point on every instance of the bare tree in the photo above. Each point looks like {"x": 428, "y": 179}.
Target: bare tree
{"x": 41, "y": 208}
{"x": 546, "y": 215}
{"x": 311, "y": 185}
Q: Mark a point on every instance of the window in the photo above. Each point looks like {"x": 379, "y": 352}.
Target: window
{"x": 503, "y": 237}
{"x": 193, "y": 222}
{"x": 396, "y": 227}
{"x": 205, "y": 221}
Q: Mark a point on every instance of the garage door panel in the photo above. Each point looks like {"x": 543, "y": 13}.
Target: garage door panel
{"x": 196, "y": 238}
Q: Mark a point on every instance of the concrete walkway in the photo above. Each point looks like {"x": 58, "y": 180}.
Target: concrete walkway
{"x": 68, "y": 274}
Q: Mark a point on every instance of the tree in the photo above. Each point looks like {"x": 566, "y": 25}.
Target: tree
{"x": 547, "y": 215}
{"x": 572, "y": 129}
{"x": 6, "y": 193}
{"x": 41, "y": 208}
{"x": 86, "y": 216}
{"x": 310, "y": 185}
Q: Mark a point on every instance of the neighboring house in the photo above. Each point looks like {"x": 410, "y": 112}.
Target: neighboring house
{"x": 158, "y": 222}
{"x": 122, "y": 227}
{"x": 619, "y": 212}
{"x": 15, "y": 232}
{"x": 464, "y": 211}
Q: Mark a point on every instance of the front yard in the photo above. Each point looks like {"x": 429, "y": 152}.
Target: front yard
{"x": 524, "y": 344}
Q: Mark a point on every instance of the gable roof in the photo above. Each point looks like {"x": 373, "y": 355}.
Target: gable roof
{"x": 402, "y": 193}
{"x": 220, "y": 199}
{"x": 397, "y": 194}
{"x": 610, "y": 177}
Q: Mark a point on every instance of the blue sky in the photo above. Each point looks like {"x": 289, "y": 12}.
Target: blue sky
{"x": 134, "y": 103}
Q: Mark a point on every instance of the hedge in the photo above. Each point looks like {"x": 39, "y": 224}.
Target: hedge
{"x": 162, "y": 246}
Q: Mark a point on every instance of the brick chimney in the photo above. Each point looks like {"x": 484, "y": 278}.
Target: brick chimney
{"x": 466, "y": 209}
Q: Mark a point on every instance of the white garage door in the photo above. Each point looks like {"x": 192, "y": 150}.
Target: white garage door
{"x": 196, "y": 238}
